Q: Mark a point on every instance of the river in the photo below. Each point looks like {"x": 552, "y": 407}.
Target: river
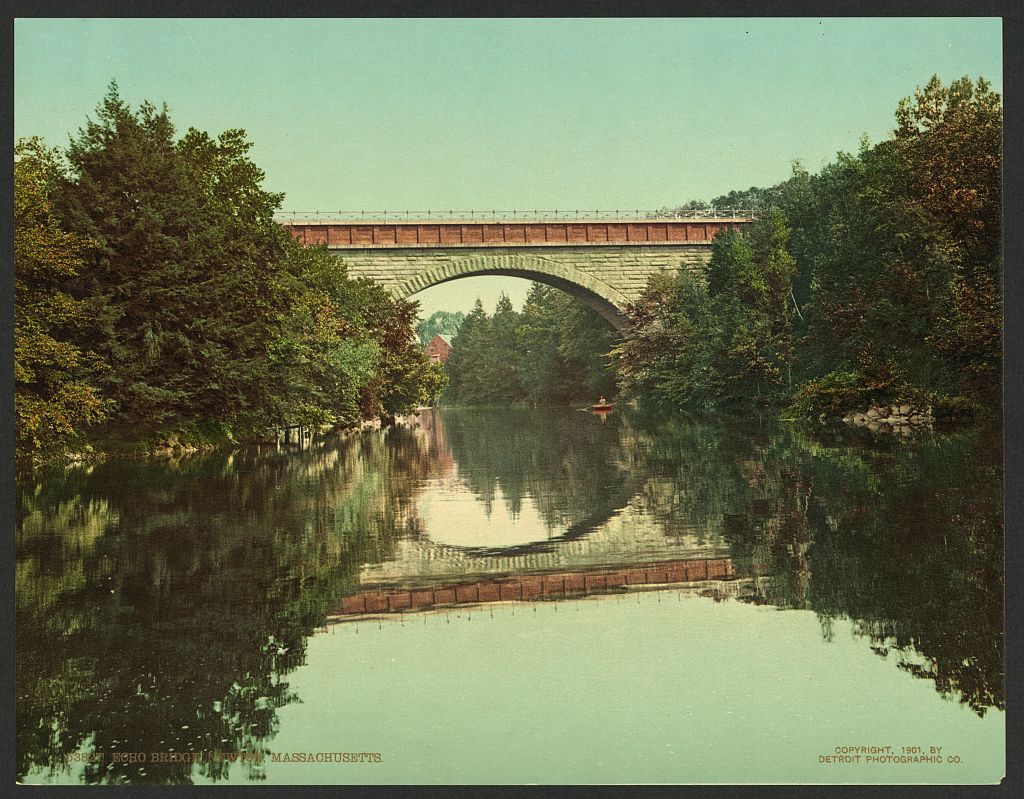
{"x": 530, "y": 595}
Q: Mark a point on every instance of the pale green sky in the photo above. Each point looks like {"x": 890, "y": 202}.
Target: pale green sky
{"x": 506, "y": 114}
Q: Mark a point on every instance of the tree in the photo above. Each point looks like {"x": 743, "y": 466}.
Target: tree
{"x": 501, "y": 379}
{"x": 764, "y": 284}
{"x": 754, "y": 198}
{"x": 730, "y": 257}
{"x": 725, "y": 338}
{"x": 54, "y": 399}
{"x": 563, "y": 349}
{"x": 540, "y": 368}
{"x": 204, "y": 309}
{"x": 187, "y": 282}
{"x": 555, "y": 351}
{"x": 466, "y": 363}
{"x": 446, "y": 323}
{"x": 484, "y": 356}
{"x": 653, "y": 353}
{"x": 951, "y": 140}
{"x": 877, "y": 278}
{"x": 323, "y": 356}
{"x": 405, "y": 378}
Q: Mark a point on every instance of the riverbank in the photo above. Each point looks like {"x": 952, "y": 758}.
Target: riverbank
{"x": 906, "y": 416}
{"x": 901, "y": 420}
{"x": 126, "y": 441}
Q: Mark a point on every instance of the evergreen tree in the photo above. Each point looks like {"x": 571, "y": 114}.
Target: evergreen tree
{"x": 540, "y": 366}
{"x": 564, "y": 349}
{"x": 554, "y": 351}
{"x": 466, "y": 364}
{"x": 500, "y": 380}
{"x": 187, "y": 282}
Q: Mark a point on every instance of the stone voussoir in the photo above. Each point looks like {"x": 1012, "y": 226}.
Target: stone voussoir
{"x": 607, "y": 278}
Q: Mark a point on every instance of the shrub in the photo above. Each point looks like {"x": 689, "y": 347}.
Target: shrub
{"x": 833, "y": 395}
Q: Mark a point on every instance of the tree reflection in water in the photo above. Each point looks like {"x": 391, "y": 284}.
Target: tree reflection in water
{"x": 903, "y": 538}
{"x": 161, "y": 605}
{"x": 578, "y": 473}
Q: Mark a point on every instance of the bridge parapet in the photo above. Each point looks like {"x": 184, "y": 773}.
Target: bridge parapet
{"x": 478, "y": 217}
{"x": 654, "y": 232}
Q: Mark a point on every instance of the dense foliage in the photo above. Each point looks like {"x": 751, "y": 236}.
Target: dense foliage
{"x": 553, "y": 351}
{"x": 877, "y": 279}
{"x": 201, "y": 310}
{"x": 53, "y": 402}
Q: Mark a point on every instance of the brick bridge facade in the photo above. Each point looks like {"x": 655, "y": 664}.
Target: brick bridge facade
{"x": 603, "y": 263}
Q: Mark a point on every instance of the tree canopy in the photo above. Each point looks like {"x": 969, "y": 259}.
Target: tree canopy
{"x": 53, "y": 401}
{"x": 882, "y": 272}
{"x": 553, "y": 351}
{"x": 445, "y": 323}
{"x": 161, "y": 259}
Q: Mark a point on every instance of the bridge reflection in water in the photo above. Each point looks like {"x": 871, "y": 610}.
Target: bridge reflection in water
{"x": 556, "y": 509}
{"x": 692, "y": 573}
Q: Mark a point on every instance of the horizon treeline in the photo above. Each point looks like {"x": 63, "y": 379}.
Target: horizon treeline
{"x": 876, "y": 280}
{"x": 156, "y": 293}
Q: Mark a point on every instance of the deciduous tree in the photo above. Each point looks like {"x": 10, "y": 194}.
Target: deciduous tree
{"x": 54, "y": 399}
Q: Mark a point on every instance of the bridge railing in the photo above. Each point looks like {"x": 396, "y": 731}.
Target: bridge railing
{"x": 628, "y": 215}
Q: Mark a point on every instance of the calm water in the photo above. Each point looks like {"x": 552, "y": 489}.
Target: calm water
{"x": 731, "y": 603}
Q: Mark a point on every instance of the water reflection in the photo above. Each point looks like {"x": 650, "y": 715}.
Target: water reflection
{"x": 906, "y": 540}
{"x": 161, "y": 605}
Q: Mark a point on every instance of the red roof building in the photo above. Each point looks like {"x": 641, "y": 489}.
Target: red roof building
{"x": 438, "y": 349}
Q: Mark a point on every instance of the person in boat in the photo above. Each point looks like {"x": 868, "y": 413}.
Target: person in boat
{"x": 602, "y": 401}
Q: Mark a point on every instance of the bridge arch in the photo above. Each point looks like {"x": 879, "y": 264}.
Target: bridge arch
{"x": 593, "y": 292}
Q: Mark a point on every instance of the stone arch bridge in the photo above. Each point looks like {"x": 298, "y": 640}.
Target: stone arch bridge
{"x": 602, "y": 261}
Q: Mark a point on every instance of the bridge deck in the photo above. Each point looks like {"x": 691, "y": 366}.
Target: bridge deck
{"x": 361, "y": 235}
